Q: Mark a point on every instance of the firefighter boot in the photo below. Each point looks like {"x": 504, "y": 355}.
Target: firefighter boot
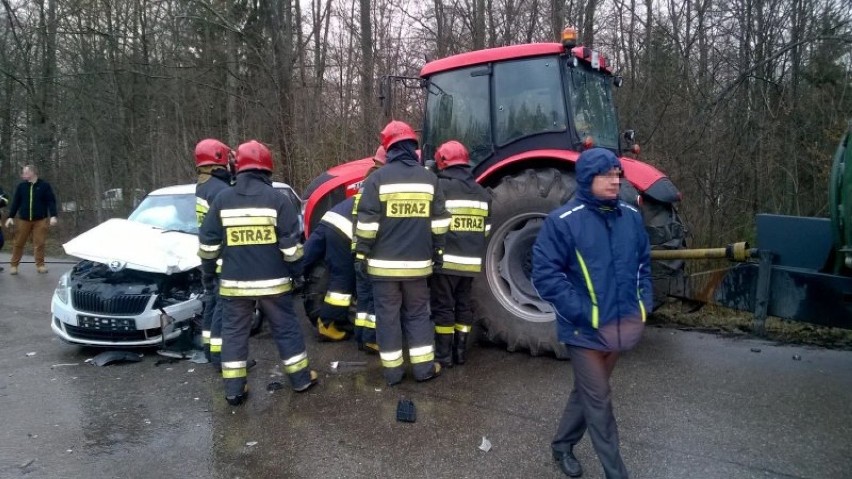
{"x": 313, "y": 380}
{"x": 460, "y": 348}
{"x": 239, "y": 398}
{"x": 444, "y": 350}
{"x": 330, "y": 332}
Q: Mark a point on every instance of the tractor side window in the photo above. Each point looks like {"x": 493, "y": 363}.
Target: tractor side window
{"x": 527, "y": 99}
{"x": 457, "y": 109}
{"x": 591, "y": 106}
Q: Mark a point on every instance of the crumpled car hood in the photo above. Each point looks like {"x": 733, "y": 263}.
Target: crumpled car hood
{"x": 121, "y": 243}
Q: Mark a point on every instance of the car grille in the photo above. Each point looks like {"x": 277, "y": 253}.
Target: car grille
{"x": 77, "y": 332}
{"x": 121, "y": 304}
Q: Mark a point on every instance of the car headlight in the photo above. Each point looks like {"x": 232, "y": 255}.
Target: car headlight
{"x": 63, "y": 290}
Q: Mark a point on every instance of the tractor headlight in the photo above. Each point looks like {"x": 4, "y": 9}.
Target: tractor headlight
{"x": 63, "y": 290}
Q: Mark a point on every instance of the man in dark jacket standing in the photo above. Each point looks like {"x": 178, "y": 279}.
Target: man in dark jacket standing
{"x": 398, "y": 239}
{"x": 35, "y": 206}
{"x": 451, "y": 285}
{"x": 591, "y": 261}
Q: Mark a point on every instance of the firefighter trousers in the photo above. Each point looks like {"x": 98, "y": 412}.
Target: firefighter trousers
{"x": 590, "y": 408}
{"x": 338, "y": 298}
{"x": 211, "y": 324}
{"x": 365, "y": 315}
{"x": 451, "y": 311}
{"x": 402, "y": 307}
{"x": 236, "y": 326}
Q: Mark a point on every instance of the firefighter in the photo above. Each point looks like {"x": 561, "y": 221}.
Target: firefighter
{"x": 331, "y": 240}
{"x": 469, "y": 204}
{"x": 398, "y": 237}
{"x": 365, "y": 313}
{"x": 211, "y": 164}
{"x": 256, "y": 231}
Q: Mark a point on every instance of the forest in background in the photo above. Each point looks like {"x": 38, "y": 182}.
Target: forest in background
{"x": 740, "y": 102}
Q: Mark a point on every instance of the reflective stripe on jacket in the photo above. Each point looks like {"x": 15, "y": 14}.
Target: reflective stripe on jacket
{"x": 470, "y": 205}
{"x": 256, "y": 232}
{"x": 401, "y": 219}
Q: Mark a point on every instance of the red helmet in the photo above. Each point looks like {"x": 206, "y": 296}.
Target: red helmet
{"x": 211, "y": 152}
{"x": 253, "y": 155}
{"x": 451, "y": 153}
{"x": 396, "y": 131}
{"x": 381, "y": 155}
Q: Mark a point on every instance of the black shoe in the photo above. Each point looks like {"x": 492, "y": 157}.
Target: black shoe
{"x": 568, "y": 464}
{"x": 436, "y": 371}
{"x": 239, "y": 398}
{"x": 314, "y": 380}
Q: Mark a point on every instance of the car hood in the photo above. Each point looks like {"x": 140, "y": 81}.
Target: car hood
{"x": 120, "y": 243}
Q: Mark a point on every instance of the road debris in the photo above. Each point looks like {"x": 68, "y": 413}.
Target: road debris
{"x": 755, "y": 350}
{"x": 405, "y": 411}
{"x": 251, "y": 443}
{"x": 796, "y": 357}
{"x": 63, "y": 364}
{"x": 27, "y": 464}
{"x": 109, "y": 357}
{"x": 336, "y": 365}
{"x": 31, "y": 354}
{"x": 486, "y": 445}
{"x": 274, "y": 386}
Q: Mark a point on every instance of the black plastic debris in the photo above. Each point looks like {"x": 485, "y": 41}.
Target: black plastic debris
{"x": 274, "y": 386}
{"x": 796, "y": 357}
{"x": 110, "y": 357}
{"x": 405, "y": 411}
{"x": 755, "y": 350}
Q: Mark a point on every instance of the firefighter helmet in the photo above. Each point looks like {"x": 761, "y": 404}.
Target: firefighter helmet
{"x": 451, "y": 153}
{"x": 253, "y": 155}
{"x": 381, "y": 156}
{"x": 395, "y": 132}
{"x": 211, "y": 152}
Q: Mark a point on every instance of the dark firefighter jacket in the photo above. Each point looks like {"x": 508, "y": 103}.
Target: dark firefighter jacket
{"x": 401, "y": 217}
{"x": 469, "y": 204}
{"x": 256, "y": 232}
{"x": 591, "y": 261}
{"x": 33, "y": 201}
{"x": 332, "y": 240}
{"x": 218, "y": 180}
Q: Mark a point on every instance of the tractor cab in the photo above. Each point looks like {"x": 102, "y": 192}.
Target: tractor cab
{"x": 504, "y": 101}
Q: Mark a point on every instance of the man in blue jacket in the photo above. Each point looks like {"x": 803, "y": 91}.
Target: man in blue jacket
{"x": 591, "y": 261}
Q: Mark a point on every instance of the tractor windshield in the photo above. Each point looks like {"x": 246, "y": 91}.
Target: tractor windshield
{"x": 457, "y": 109}
{"x": 590, "y": 98}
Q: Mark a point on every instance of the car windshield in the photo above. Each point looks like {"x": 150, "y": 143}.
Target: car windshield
{"x": 169, "y": 212}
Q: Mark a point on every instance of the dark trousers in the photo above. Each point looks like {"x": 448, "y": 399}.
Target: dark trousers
{"x": 211, "y": 325}
{"x": 365, "y": 315}
{"x": 402, "y": 307}
{"x": 451, "y": 300}
{"x": 236, "y": 327}
{"x": 590, "y": 407}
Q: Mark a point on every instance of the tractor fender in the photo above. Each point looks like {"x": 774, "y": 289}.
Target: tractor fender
{"x": 647, "y": 179}
{"x": 349, "y": 174}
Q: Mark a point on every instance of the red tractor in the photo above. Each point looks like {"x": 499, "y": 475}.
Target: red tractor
{"x": 524, "y": 112}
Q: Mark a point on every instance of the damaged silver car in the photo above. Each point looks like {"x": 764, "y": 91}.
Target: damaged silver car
{"x": 138, "y": 283}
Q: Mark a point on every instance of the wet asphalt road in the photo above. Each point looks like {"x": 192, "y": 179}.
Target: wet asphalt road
{"x": 689, "y": 405}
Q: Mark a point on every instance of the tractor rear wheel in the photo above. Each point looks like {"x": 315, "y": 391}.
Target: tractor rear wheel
{"x": 507, "y": 305}
{"x": 506, "y": 302}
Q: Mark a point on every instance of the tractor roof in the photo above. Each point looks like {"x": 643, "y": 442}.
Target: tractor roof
{"x": 491, "y": 55}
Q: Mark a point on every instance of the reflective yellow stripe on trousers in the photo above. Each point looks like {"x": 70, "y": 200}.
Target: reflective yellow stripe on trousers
{"x": 591, "y": 289}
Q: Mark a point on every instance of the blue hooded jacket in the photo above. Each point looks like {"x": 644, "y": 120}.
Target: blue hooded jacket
{"x": 591, "y": 261}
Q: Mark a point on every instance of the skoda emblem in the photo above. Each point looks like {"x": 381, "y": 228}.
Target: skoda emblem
{"x": 115, "y": 265}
